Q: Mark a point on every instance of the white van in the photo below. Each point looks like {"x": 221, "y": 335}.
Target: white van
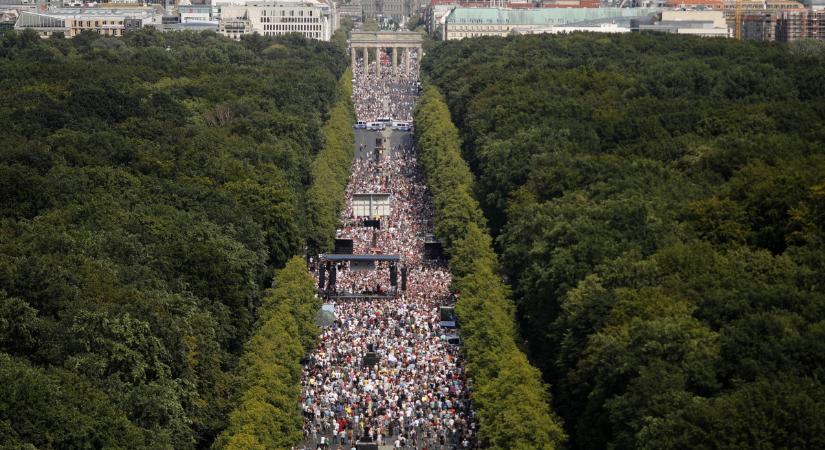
{"x": 402, "y": 126}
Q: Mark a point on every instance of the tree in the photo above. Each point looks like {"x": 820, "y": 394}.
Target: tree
{"x": 146, "y": 203}
{"x": 56, "y": 409}
{"x": 268, "y": 413}
{"x": 511, "y": 400}
{"x": 655, "y": 202}
{"x": 739, "y": 419}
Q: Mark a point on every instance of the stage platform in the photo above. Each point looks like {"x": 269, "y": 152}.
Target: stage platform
{"x": 346, "y": 257}
{"x": 364, "y": 296}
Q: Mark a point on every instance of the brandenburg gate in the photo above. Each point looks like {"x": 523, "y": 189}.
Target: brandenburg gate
{"x": 365, "y": 40}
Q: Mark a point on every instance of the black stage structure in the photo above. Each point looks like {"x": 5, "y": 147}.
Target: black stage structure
{"x": 328, "y": 263}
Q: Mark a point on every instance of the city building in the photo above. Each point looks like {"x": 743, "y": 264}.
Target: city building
{"x": 759, "y": 27}
{"x": 371, "y": 9}
{"x": 353, "y": 10}
{"x": 218, "y": 5}
{"x": 434, "y": 16}
{"x": 698, "y": 23}
{"x": 698, "y": 5}
{"x": 7, "y": 20}
{"x": 570, "y": 3}
{"x": 600, "y": 28}
{"x": 800, "y": 24}
{"x": 473, "y": 22}
{"x": 748, "y": 6}
{"x": 191, "y": 26}
{"x": 17, "y": 6}
{"x": 752, "y": 14}
{"x": 73, "y": 21}
{"x": 434, "y": 11}
{"x": 313, "y": 19}
{"x": 194, "y": 13}
{"x": 759, "y": 19}
{"x": 397, "y": 10}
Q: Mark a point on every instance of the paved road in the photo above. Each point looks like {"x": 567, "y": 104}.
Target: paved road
{"x": 417, "y": 387}
{"x": 365, "y": 141}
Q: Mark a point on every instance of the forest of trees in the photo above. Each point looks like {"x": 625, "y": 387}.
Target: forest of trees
{"x": 330, "y": 171}
{"x": 658, "y": 205}
{"x": 150, "y": 186}
{"x": 268, "y": 415}
{"x": 509, "y": 398}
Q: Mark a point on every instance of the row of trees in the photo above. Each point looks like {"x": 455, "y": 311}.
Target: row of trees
{"x": 511, "y": 401}
{"x": 657, "y": 202}
{"x": 330, "y": 171}
{"x": 268, "y": 415}
{"x": 150, "y": 185}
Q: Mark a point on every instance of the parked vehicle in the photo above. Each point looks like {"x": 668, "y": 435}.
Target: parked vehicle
{"x": 402, "y": 126}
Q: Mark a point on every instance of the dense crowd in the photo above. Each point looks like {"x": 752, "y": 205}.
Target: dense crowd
{"x": 385, "y": 369}
{"x": 411, "y": 212}
{"x": 392, "y": 94}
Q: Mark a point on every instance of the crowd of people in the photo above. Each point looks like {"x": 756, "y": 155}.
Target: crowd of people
{"x": 353, "y": 281}
{"x": 391, "y": 94}
{"x": 411, "y": 213}
{"x": 386, "y": 371}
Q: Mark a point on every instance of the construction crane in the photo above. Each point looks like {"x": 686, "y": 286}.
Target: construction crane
{"x": 737, "y": 18}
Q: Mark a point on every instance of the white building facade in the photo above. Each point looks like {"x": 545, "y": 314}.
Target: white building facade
{"x": 194, "y": 13}
{"x": 698, "y": 23}
{"x": 313, "y": 19}
{"x": 73, "y": 21}
{"x": 463, "y": 22}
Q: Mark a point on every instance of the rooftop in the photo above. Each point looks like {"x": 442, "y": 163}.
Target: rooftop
{"x": 191, "y": 26}
{"x": 543, "y": 16}
{"x": 711, "y": 3}
{"x": 267, "y": 3}
{"x": 97, "y": 12}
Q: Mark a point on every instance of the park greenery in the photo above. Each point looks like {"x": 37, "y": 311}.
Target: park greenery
{"x": 510, "y": 399}
{"x": 150, "y": 185}
{"x": 658, "y": 205}
{"x": 330, "y": 171}
{"x": 268, "y": 414}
